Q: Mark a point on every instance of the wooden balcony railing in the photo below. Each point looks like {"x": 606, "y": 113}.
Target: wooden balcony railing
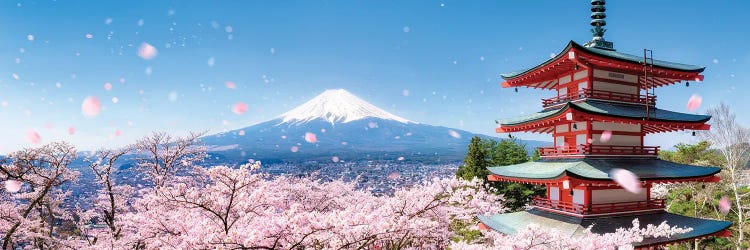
{"x": 600, "y": 94}
{"x": 603, "y": 208}
{"x": 603, "y": 150}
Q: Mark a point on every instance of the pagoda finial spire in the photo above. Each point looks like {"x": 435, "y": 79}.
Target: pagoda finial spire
{"x": 597, "y": 20}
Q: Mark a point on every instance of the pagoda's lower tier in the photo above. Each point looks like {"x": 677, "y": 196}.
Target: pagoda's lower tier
{"x": 511, "y": 223}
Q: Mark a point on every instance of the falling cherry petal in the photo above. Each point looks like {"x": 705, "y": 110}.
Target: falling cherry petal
{"x": 146, "y": 51}
{"x": 91, "y": 106}
{"x": 724, "y": 205}
{"x": 118, "y": 132}
{"x": 606, "y": 135}
{"x": 400, "y": 158}
{"x": 13, "y": 186}
{"x": 335, "y": 159}
{"x": 71, "y": 130}
{"x": 694, "y": 102}
{"x": 89, "y": 36}
{"x": 239, "y": 108}
{"x": 241, "y": 133}
{"x": 231, "y": 85}
{"x": 310, "y": 137}
{"x": 115, "y": 100}
{"x": 626, "y": 179}
{"x": 33, "y": 137}
{"x": 107, "y": 86}
{"x": 454, "y": 134}
{"x": 294, "y": 149}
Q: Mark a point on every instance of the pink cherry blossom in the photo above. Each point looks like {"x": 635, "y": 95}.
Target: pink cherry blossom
{"x": 33, "y": 137}
{"x": 724, "y": 205}
{"x": 91, "y": 106}
{"x": 606, "y": 135}
{"x": 107, "y": 86}
{"x": 454, "y": 134}
{"x": 239, "y": 108}
{"x": 13, "y": 185}
{"x": 335, "y": 159}
{"x": 89, "y": 36}
{"x": 626, "y": 179}
{"x": 118, "y": 132}
{"x": 372, "y": 125}
{"x": 146, "y": 51}
{"x": 310, "y": 137}
{"x": 694, "y": 102}
{"x": 241, "y": 133}
{"x": 400, "y": 158}
{"x": 71, "y": 130}
{"x": 294, "y": 149}
{"x": 231, "y": 85}
{"x": 394, "y": 176}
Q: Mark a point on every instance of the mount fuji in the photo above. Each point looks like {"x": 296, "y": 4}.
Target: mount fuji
{"x": 340, "y": 126}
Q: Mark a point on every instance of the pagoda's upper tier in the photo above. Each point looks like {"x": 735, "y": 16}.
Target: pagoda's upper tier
{"x": 573, "y": 56}
{"x": 657, "y": 120}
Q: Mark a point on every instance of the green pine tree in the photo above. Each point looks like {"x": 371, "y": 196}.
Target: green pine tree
{"x": 483, "y": 153}
{"x": 476, "y": 161}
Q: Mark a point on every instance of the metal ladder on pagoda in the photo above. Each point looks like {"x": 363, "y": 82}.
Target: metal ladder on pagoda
{"x": 648, "y": 68}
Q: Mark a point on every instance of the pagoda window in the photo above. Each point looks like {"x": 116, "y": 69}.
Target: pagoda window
{"x": 579, "y": 126}
{"x": 564, "y": 80}
{"x": 559, "y": 141}
{"x": 581, "y": 139}
{"x": 616, "y": 76}
{"x": 616, "y": 88}
{"x": 554, "y": 193}
{"x": 580, "y": 74}
{"x": 578, "y": 196}
{"x": 617, "y": 140}
{"x": 613, "y": 126}
{"x": 603, "y": 196}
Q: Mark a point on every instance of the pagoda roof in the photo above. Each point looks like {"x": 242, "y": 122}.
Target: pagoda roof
{"x": 511, "y": 223}
{"x": 599, "y": 168}
{"x": 611, "y": 54}
{"x": 608, "y": 110}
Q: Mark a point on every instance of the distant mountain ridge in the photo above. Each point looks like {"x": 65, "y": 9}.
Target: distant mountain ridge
{"x": 337, "y": 125}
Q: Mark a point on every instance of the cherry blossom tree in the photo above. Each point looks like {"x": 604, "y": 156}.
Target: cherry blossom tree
{"x": 733, "y": 142}
{"x": 238, "y": 208}
{"x": 164, "y": 156}
{"x": 110, "y": 203}
{"x": 29, "y": 215}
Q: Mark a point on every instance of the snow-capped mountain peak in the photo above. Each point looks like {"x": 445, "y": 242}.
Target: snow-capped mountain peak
{"x": 337, "y": 106}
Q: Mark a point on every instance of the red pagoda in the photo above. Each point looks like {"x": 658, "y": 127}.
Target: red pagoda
{"x": 603, "y": 108}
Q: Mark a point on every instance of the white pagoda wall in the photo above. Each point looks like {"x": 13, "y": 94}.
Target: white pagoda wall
{"x": 615, "y": 87}
{"x": 616, "y": 195}
{"x": 615, "y": 139}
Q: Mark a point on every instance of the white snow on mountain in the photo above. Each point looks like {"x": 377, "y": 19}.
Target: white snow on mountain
{"x": 337, "y": 106}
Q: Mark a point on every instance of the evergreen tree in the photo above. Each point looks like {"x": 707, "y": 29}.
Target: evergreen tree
{"x": 476, "y": 161}
{"x": 536, "y": 156}
{"x": 483, "y": 153}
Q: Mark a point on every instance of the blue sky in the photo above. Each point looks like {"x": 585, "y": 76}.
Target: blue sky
{"x": 447, "y": 54}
